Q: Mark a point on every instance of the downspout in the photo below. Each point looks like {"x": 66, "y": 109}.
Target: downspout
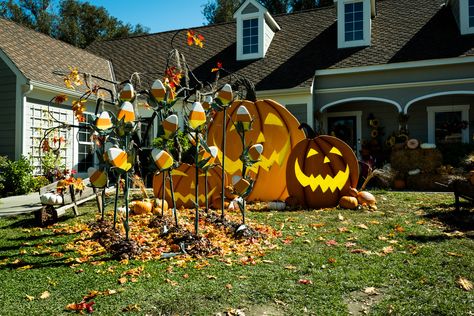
{"x": 22, "y": 91}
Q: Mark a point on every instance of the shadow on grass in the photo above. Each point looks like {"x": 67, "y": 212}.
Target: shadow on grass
{"x": 462, "y": 220}
{"x": 31, "y": 222}
{"x": 52, "y": 263}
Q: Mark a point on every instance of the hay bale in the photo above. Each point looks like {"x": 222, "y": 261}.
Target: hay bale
{"x": 427, "y": 160}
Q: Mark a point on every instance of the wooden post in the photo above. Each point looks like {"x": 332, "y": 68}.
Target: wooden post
{"x": 73, "y": 200}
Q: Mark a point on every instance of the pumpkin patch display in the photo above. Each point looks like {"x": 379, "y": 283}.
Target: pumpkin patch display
{"x": 276, "y": 129}
{"x": 184, "y": 185}
{"x": 320, "y": 170}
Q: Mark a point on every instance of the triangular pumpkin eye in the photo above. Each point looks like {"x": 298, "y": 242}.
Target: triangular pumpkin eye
{"x": 272, "y": 119}
{"x": 311, "y": 152}
{"x": 336, "y": 151}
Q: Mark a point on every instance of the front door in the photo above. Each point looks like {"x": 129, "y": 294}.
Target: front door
{"x": 345, "y": 126}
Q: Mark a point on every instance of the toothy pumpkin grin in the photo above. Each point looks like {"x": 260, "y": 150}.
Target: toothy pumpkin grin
{"x": 328, "y": 182}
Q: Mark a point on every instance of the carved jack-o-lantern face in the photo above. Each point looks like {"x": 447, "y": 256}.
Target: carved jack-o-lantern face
{"x": 276, "y": 129}
{"x": 184, "y": 185}
{"x": 321, "y": 170}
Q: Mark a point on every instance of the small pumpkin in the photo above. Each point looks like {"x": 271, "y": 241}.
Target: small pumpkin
{"x": 157, "y": 209}
{"x": 141, "y": 207}
{"x": 184, "y": 178}
{"x": 276, "y": 129}
{"x": 320, "y": 170}
{"x": 366, "y": 199}
{"x": 51, "y": 198}
{"x": 348, "y": 202}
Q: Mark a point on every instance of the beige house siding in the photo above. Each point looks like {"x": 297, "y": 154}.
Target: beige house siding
{"x": 7, "y": 105}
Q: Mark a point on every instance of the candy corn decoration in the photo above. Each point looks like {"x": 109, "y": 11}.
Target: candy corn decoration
{"x": 170, "y": 125}
{"x": 243, "y": 116}
{"x": 197, "y": 116}
{"x": 162, "y": 158}
{"x": 103, "y": 122}
{"x": 225, "y": 94}
{"x": 119, "y": 159}
{"x": 127, "y": 93}
{"x": 255, "y": 151}
{"x": 97, "y": 177}
{"x": 210, "y": 156}
{"x": 207, "y": 102}
{"x": 126, "y": 112}
{"x": 240, "y": 185}
{"x": 158, "y": 90}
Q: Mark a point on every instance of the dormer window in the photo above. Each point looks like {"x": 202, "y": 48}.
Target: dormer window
{"x": 250, "y": 36}
{"x": 471, "y": 13}
{"x": 463, "y": 11}
{"x": 354, "y": 22}
{"x": 255, "y": 30}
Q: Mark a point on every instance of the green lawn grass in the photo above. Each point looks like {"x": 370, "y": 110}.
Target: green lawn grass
{"x": 407, "y": 256}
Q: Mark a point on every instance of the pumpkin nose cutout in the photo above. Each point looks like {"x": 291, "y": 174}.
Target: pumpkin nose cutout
{"x": 326, "y": 159}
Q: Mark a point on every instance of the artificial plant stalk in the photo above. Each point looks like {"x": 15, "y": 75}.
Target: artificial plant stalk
{"x": 244, "y": 171}
{"x": 103, "y": 203}
{"x": 163, "y": 194}
{"x": 175, "y": 213}
{"x": 196, "y": 158}
{"x": 223, "y": 161}
{"x": 127, "y": 210}
{"x": 116, "y": 199}
{"x": 205, "y": 191}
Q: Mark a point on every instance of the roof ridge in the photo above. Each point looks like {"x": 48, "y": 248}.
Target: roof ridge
{"x": 52, "y": 38}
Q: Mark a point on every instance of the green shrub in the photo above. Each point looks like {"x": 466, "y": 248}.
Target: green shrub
{"x": 17, "y": 176}
{"x": 51, "y": 164}
{"x": 39, "y": 182}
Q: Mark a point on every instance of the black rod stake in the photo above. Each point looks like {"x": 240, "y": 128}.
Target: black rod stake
{"x": 175, "y": 213}
{"x": 205, "y": 191}
{"x": 223, "y": 161}
{"x": 196, "y": 191}
{"x": 163, "y": 194}
{"x": 117, "y": 187}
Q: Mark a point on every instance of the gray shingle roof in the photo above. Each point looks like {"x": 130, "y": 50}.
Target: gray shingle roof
{"x": 403, "y": 30}
{"x": 37, "y": 55}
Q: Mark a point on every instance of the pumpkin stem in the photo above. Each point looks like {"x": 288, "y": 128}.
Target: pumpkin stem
{"x": 308, "y": 131}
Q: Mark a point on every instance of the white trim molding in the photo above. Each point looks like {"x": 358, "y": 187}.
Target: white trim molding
{"x": 394, "y": 103}
{"x": 432, "y": 95}
{"x": 358, "y": 115}
{"x": 464, "y": 27}
{"x": 432, "y": 110}
{"x": 396, "y": 66}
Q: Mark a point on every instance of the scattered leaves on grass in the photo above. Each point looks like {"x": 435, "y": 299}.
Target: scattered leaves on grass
{"x": 454, "y": 254}
{"x": 122, "y": 280}
{"x": 186, "y": 276}
{"x": 305, "y": 281}
{"x": 331, "y": 242}
{"x": 212, "y": 277}
{"x": 371, "y": 291}
{"x": 29, "y": 297}
{"x": 228, "y": 286}
{"x": 317, "y": 225}
{"x": 387, "y": 250}
{"x": 132, "y": 308}
{"x": 399, "y": 229}
{"x": 340, "y": 217}
{"x": 363, "y": 226}
{"x": 25, "y": 267}
{"x": 290, "y": 267}
{"x": 171, "y": 282}
{"x": 81, "y": 307}
{"x": 332, "y": 260}
{"x": 464, "y": 283}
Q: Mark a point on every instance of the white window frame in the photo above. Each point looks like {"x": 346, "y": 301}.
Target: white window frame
{"x": 341, "y": 24}
{"x": 358, "y": 115}
{"x": 240, "y": 36}
{"x": 87, "y": 143}
{"x": 432, "y": 110}
{"x": 464, "y": 18}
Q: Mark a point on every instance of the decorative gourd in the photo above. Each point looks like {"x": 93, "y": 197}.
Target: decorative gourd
{"x": 353, "y": 192}
{"x": 184, "y": 184}
{"x": 157, "y": 206}
{"x": 276, "y": 129}
{"x": 51, "y": 198}
{"x": 366, "y": 199}
{"x": 349, "y": 202}
{"x": 320, "y": 170}
{"x": 141, "y": 207}
{"x": 413, "y": 143}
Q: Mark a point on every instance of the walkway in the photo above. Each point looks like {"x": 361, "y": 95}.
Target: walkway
{"x": 20, "y": 204}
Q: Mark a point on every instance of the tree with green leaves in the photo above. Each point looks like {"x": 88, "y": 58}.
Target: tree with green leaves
{"x": 218, "y": 11}
{"x": 75, "y": 22}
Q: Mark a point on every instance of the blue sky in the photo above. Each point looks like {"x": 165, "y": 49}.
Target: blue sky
{"x": 158, "y": 15}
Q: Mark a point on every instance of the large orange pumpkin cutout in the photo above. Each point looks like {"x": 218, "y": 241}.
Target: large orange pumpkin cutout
{"x": 320, "y": 171}
{"x": 184, "y": 185}
{"x": 276, "y": 129}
